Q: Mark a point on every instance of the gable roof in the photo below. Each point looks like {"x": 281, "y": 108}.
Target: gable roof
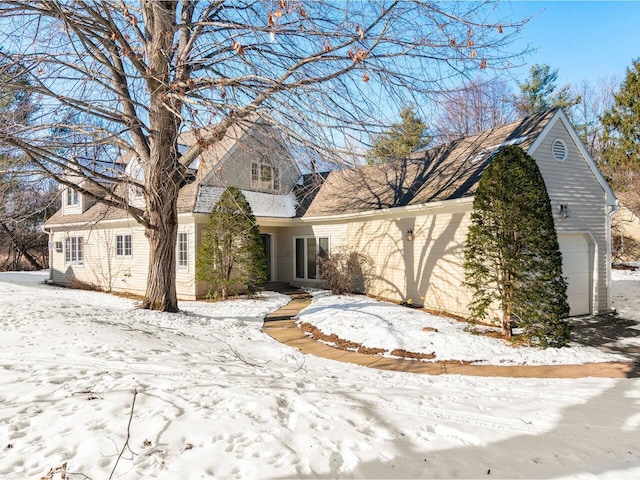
{"x": 445, "y": 172}
{"x": 190, "y": 198}
{"x": 560, "y": 116}
{"x": 252, "y": 136}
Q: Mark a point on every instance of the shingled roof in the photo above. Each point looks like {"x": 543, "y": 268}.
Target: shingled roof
{"x": 99, "y": 211}
{"x": 444, "y": 172}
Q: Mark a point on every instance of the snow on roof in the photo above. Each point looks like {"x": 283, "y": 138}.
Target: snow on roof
{"x": 262, "y": 204}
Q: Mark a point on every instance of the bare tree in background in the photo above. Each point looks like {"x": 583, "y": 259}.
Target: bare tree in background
{"x": 123, "y": 79}
{"x": 25, "y": 199}
{"x": 595, "y": 99}
{"x": 28, "y": 203}
{"x": 478, "y": 106}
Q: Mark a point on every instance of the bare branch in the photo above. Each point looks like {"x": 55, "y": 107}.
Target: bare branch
{"x": 126, "y": 443}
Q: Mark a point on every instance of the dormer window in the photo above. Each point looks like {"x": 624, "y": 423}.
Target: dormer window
{"x": 264, "y": 175}
{"x": 72, "y": 197}
{"x": 135, "y": 177}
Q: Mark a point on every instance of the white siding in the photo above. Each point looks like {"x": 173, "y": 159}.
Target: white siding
{"x": 427, "y": 270}
{"x": 235, "y": 163}
{"x": 102, "y": 269}
{"x": 71, "y": 209}
{"x": 573, "y": 183}
{"x": 185, "y": 277}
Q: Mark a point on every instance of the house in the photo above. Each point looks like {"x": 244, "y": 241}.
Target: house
{"x": 410, "y": 216}
{"x": 625, "y": 228}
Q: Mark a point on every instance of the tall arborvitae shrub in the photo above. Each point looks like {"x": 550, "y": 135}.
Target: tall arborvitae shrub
{"x": 231, "y": 256}
{"x": 512, "y": 257}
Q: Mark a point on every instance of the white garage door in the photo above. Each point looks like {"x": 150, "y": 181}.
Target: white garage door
{"x": 576, "y": 267}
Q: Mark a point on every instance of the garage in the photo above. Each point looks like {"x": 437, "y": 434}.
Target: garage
{"x": 577, "y": 267}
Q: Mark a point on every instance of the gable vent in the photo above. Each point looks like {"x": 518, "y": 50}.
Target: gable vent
{"x": 559, "y": 150}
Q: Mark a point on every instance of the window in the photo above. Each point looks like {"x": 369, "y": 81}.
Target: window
{"x": 124, "y": 246}
{"x": 255, "y": 174}
{"x": 307, "y": 251}
{"x": 264, "y": 175}
{"x": 72, "y": 197}
{"x": 183, "y": 250}
{"x": 73, "y": 251}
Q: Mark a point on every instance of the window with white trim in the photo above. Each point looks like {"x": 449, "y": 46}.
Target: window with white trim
{"x": 73, "y": 251}
{"x": 183, "y": 250}
{"x": 264, "y": 175}
{"x": 124, "y": 245}
{"x": 72, "y": 197}
{"x": 307, "y": 251}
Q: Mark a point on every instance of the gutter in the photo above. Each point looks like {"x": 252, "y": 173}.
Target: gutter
{"x": 455, "y": 206}
{"x": 458, "y": 205}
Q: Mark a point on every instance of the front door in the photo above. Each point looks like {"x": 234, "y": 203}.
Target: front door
{"x": 266, "y": 243}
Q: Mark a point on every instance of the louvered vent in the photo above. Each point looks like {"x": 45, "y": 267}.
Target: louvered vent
{"x": 559, "y": 150}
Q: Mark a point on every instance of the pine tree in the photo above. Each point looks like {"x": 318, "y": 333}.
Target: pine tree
{"x": 621, "y": 136}
{"x": 400, "y": 139}
{"x": 231, "y": 257}
{"x": 512, "y": 256}
{"x": 539, "y": 92}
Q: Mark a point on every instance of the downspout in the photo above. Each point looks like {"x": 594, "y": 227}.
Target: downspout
{"x": 613, "y": 208}
{"x": 50, "y": 246}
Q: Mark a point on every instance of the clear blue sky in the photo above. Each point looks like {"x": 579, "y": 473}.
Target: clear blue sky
{"x": 582, "y": 39}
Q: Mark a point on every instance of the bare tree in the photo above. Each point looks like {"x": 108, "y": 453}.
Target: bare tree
{"x": 117, "y": 79}
{"x": 25, "y": 200}
{"x": 26, "y": 204}
{"x": 595, "y": 98}
{"x": 478, "y": 106}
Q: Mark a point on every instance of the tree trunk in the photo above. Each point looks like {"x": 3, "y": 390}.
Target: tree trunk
{"x": 162, "y": 186}
{"x": 506, "y": 318}
{"x": 162, "y": 169}
{"x": 161, "y": 278}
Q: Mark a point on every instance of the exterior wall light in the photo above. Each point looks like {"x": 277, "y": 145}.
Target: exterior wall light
{"x": 564, "y": 210}
{"x": 409, "y": 235}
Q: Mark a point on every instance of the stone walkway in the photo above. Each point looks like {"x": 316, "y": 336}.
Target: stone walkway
{"x": 281, "y": 326}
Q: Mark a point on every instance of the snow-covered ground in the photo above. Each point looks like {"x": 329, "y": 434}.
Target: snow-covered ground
{"x": 387, "y": 326}
{"x": 217, "y": 398}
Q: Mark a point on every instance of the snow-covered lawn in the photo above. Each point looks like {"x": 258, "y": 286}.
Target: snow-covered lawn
{"x": 381, "y": 325}
{"x": 217, "y": 398}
